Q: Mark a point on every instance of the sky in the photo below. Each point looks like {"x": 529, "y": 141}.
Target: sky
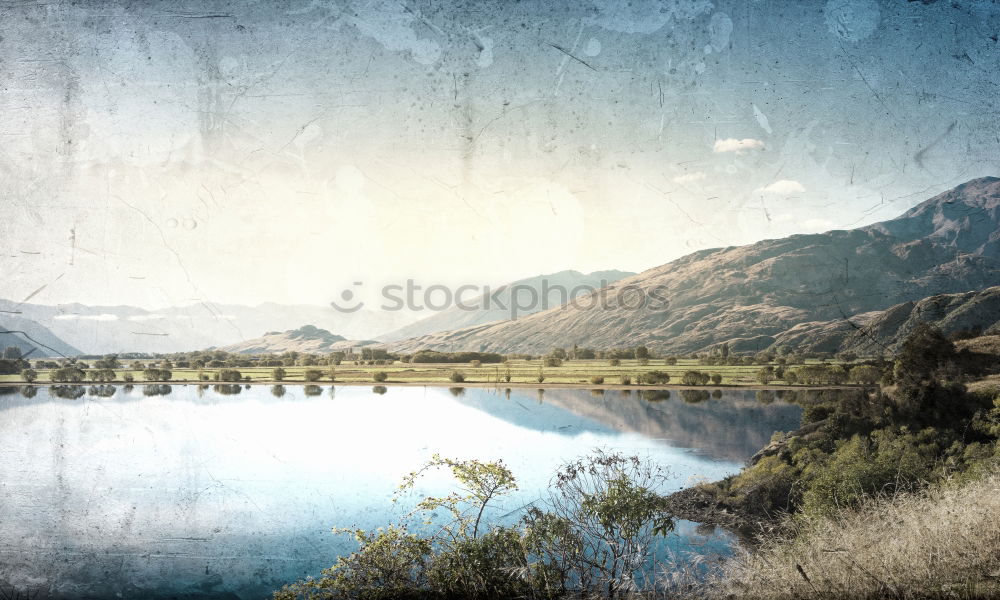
{"x": 165, "y": 153}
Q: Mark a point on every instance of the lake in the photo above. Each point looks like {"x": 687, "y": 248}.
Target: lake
{"x": 185, "y": 492}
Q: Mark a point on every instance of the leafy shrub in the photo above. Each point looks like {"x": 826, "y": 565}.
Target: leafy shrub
{"x": 380, "y": 376}
{"x": 864, "y": 374}
{"x": 695, "y": 378}
{"x": 156, "y": 374}
{"x": 655, "y": 377}
{"x": 596, "y": 380}
{"x": 228, "y": 375}
{"x": 312, "y": 375}
{"x": 456, "y": 377}
{"x": 67, "y": 375}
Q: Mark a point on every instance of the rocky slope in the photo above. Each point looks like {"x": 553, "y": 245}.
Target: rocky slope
{"x": 874, "y": 332}
{"x": 755, "y": 296}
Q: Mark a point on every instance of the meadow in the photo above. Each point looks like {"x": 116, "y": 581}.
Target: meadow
{"x": 587, "y": 373}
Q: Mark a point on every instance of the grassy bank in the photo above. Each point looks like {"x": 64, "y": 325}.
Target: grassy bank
{"x": 584, "y": 373}
{"x": 943, "y": 542}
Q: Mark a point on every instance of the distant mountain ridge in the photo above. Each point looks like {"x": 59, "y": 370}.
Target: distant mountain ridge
{"x": 308, "y": 338}
{"x": 751, "y": 296}
{"x": 551, "y": 290}
{"x": 120, "y": 329}
{"x": 34, "y": 340}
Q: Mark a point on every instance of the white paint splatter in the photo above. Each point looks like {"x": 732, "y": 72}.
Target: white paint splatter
{"x": 720, "y": 28}
{"x": 485, "y": 58}
{"x": 852, "y": 20}
{"x": 761, "y": 119}
{"x": 390, "y": 24}
{"x": 593, "y": 47}
{"x": 645, "y": 17}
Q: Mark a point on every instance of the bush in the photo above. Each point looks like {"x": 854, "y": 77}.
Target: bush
{"x": 313, "y": 375}
{"x": 596, "y": 380}
{"x": 615, "y": 362}
{"x": 693, "y": 378}
{"x": 766, "y": 375}
{"x": 456, "y": 377}
{"x": 228, "y": 375}
{"x": 864, "y": 374}
{"x": 864, "y": 466}
{"x": 380, "y": 376}
{"x": 67, "y": 375}
{"x": 432, "y": 356}
{"x": 157, "y": 374}
{"x": 597, "y": 528}
{"x": 655, "y": 377}
{"x": 553, "y": 362}
{"x": 29, "y": 375}
{"x": 716, "y": 378}
{"x": 278, "y": 374}
{"x": 626, "y": 380}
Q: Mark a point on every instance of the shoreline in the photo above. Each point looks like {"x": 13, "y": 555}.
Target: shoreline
{"x": 448, "y": 384}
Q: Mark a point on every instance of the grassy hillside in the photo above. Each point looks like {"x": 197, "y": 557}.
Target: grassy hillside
{"x": 943, "y": 542}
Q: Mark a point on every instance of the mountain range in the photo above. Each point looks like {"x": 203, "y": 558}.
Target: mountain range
{"x": 70, "y": 329}
{"x": 780, "y": 291}
{"x": 859, "y": 289}
{"x": 78, "y": 328}
{"x": 521, "y": 297}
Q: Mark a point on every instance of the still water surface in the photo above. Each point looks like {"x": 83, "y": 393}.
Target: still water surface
{"x": 208, "y": 495}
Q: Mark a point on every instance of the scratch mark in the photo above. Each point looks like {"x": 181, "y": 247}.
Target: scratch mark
{"x": 34, "y": 341}
{"x": 578, "y": 59}
{"x": 919, "y": 156}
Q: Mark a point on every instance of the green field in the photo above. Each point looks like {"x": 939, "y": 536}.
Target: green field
{"x": 522, "y": 372}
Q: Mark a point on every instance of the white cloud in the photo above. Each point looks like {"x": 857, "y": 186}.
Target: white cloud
{"x": 783, "y": 187}
{"x": 737, "y": 146}
{"x": 150, "y": 317}
{"x": 690, "y": 177}
{"x": 817, "y": 225}
{"x": 103, "y": 317}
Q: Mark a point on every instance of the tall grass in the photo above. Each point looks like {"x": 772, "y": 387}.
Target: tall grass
{"x": 943, "y": 542}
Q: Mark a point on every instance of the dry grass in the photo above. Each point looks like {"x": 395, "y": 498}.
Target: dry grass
{"x": 985, "y": 344}
{"x": 942, "y": 543}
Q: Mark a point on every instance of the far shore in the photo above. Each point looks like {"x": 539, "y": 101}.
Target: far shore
{"x": 447, "y": 384}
